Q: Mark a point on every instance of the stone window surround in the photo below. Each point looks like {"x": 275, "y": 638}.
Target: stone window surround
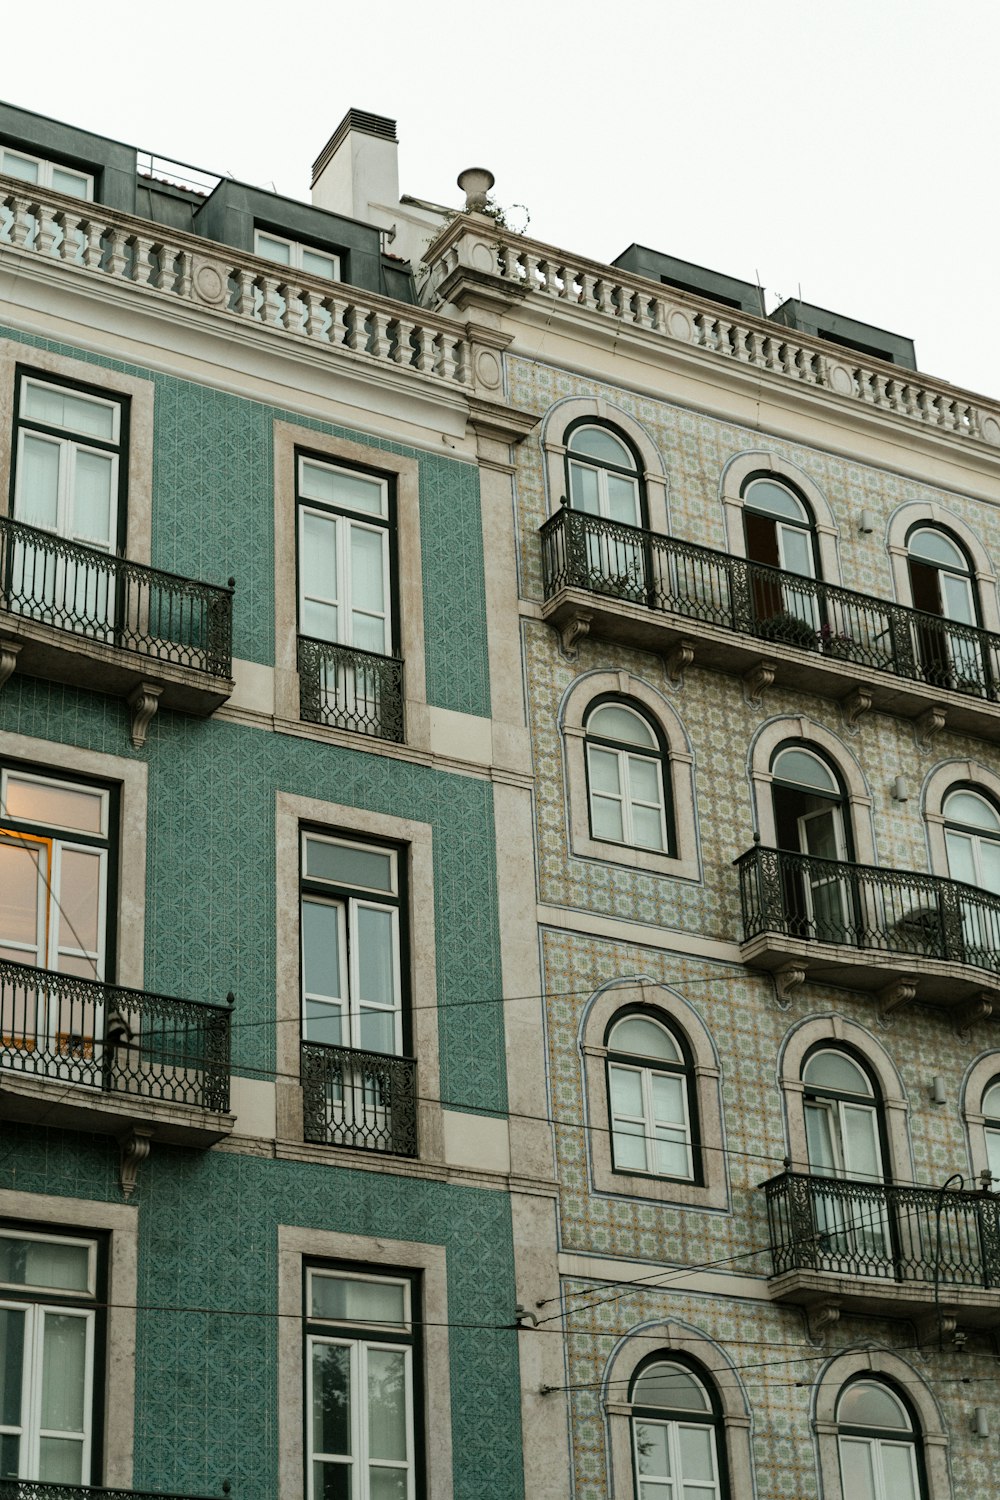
{"x": 658, "y": 1001}
{"x": 567, "y": 413}
{"x": 677, "y": 1338}
{"x": 132, "y": 778}
{"x": 404, "y": 473}
{"x": 139, "y": 526}
{"x": 931, "y": 513}
{"x": 295, "y": 1245}
{"x": 576, "y": 703}
{"x": 734, "y": 479}
{"x": 859, "y": 798}
{"x": 980, "y": 1074}
{"x": 937, "y": 784}
{"x": 875, "y": 1362}
{"x": 122, "y": 1224}
{"x": 831, "y": 1030}
{"x": 417, "y": 851}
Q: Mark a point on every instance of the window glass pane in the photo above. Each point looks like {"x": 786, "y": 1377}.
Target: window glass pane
{"x": 377, "y": 1031}
{"x": 934, "y": 547}
{"x": 672, "y": 1158}
{"x": 93, "y": 480}
{"x": 958, "y": 602}
{"x": 991, "y": 1101}
{"x": 350, "y": 1300}
{"x": 321, "y": 940}
{"x": 376, "y": 951}
{"x": 607, "y": 819}
{"x": 857, "y": 1473}
{"x": 993, "y": 1156}
{"x": 899, "y": 1470}
{"x": 603, "y": 770}
{"x": 331, "y": 1398}
{"x": 834, "y": 1070}
{"x": 796, "y": 553}
{"x": 349, "y": 865}
{"x": 668, "y": 1099}
{"x": 961, "y": 856}
{"x": 623, "y": 500}
{"x": 644, "y": 780}
{"x": 630, "y": 1147}
{"x": 58, "y": 407}
{"x": 11, "y": 1366}
{"x": 670, "y": 1386}
{"x": 273, "y": 249}
{"x": 15, "y": 165}
{"x": 583, "y": 491}
{"x": 367, "y": 569}
{"x": 320, "y": 265}
{"x": 819, "y": 1139}
{"x": 59, "y": 805}
{"x": 80, "y": 899}
{"x": 38, "y": 482}
{"x": 647, "y": 828}
{"x": 65, "y": 181}
{"x": 64, "y": 1367}
{"x": 697, "y": 1452}
{"x": 19, "y": 903}
{"x": 387, "y": 1484}
{"x": 867, "y": 1403}
{"x": 387, "y": 1404}
{"x": 644, "y": 1038}
{"x": 60, "y": 1460}
{"x": 804, "y": 769}
{"x": 318, "y": 555}
{"x": 599, "y": 443}
{"x": 340, "y": 487}
{"x": 324, "y": 1023}
{"x": 967, "y": 807}
{"x": 626, "y": 1091}
{"x": 775, "y": 500}
{"x": 614, "y": 722}
{"x": 367, "y": 634}
{"x": 862, "y": 1157}
{"x": 321, "y": 621}
{"x": 989, "y": 864}
{"x": 652, "y": 1451}
{"x": 332, "y": 1481}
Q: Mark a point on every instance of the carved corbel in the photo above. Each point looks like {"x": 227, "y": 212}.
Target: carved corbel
{"x": 678, "y": 658}
{"x": 978, "y": 1008}
{"x": 937, "y": 1324}
{"x": 854, "y": 706}
{"x": 756, "y": 680}
{"x": 928, "y": 725}
{"x": 8, "y": 658}
{"x": 822, "y": 1316}
{"x": 143, "y": 702}
{"x": 894, "y": 996}
{"x": 572, "y": 630}
{"x": 135, "y": 1146}
{"x": 787, "y": 980}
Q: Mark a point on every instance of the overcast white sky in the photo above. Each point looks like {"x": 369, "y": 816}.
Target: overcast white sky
{"x": 847, "y": 147}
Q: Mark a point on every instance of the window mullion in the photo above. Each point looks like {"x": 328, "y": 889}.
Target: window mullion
{"x": 359, "y": 1379}
{"x": 353, "y": 975}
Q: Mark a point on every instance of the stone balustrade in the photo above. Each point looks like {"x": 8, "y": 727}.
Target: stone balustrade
{"x": 474, "y": 250}
{"x": 102, "y": 242}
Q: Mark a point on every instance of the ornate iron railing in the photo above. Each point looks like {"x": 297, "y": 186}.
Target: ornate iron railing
{"x": 863, "y": 906}
{"x": 119, "y": 1040}
{"x": 115, "y": 601}
{"x": 35, "y": 1489}
{"x": 581, "y": 551}
{"x": 362, "y": 1099}
{"x": 883, "y": 1230}
{"x": 351, "y": 689}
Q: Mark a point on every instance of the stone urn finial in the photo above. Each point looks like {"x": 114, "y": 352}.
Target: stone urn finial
{"x": 475, "y": 183}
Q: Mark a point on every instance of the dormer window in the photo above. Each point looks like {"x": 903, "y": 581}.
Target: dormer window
{"x": 46, "y": 174}
{"x": 296, "y": 256}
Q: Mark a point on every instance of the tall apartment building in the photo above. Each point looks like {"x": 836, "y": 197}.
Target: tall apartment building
{"x": 588, "y": 792}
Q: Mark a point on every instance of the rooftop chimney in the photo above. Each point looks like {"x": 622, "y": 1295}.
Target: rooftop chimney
{"x": 357, "y": 174}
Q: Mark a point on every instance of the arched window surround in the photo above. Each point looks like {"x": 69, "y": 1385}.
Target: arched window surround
{"x": 946, "y": 777}
{"x": 672, "y": 1339}
{"x": 981, "y": 1073}
{"x": 895, "y": 1372}
{"x": 834, "y": 1031}
{"x": 622, "y": 437}
{"x": 622, "y": 749}
{"x": 760, "y": 464}
{"x": 915, "y": 513}
{"x": 772, "y": 737}
{"x": 583, "y": 695}
{"x": 611, "y": 1003}
{"x": 574, "y": 411}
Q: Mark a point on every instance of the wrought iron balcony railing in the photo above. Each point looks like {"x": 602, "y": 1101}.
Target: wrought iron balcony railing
{"x": 879, "y": 1229}
{"x": 114, "y": 601}
{"x": 660, "y": 573}
{"x": 362, "y": 1099}
{"x": 351, "y": 689}
{"x": 868, "y": 908}
{"x": 121, "y": 1041}
{"x": 36, "y": 1489}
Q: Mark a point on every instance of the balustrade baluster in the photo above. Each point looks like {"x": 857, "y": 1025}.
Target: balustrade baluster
{"x": 69, "y": 245}
{"x": 402, "y": 352}
{"x": 45, "y": 239}
{"x": 446, "y": 362}
{"x": 183, "y": 287}
{"x": 380, "y": 335}
{"x": 463, "y": 373}
{"x": 270, "y": 309}
{"x": 141, "y": 265}
{"x": 116, "y": 259}
{"x": 357, "y": 332}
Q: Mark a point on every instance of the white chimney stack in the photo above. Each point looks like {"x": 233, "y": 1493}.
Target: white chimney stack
{"x": 357, "y": 172}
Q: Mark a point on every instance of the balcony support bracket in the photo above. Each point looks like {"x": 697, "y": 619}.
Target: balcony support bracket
{"x": 928, "y": 725}
{"x": 822, "y": 1316}
{"x": 894, "y": 996}
{"x": 573, "y": 630}
{"x": 787, "y": 980}
{"x": 854, "y": 707}
{"x": 938, "y": 1324}
{"x": 135, "y": 1146}
{"x": 756, "y": 680}
{"x": 143, "y": 702}
{"x": 979, "y": 1008}
{"x": 678, "y": 658}
{"x": 8, "y": 657}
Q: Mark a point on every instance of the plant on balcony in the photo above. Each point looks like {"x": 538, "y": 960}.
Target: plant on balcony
{"x": 789, "y": 629}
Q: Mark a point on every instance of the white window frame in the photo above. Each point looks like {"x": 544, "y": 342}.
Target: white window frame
{"x": 296, "y": 248}
{"x": 676, "y": 1482}
{"x": 68, "y": 447}
{"x": 626, "y": 801}
{"x": 647, "y": 1071}
{"x": 47, "y": 166}
{"x": 345, "y": 519}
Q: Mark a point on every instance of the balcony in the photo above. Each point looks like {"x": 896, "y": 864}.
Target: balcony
{"x": 345, "y": 688}
{"x": 35, "y": 1489}
{"x": 99, "y": 1057}
{"x": 885, "y": 1250}
{"x": 641, "y": 589}
{"x": 72, "y": 614}
{"x": 865, "y": 927}
{"x": 366, "y": 1100}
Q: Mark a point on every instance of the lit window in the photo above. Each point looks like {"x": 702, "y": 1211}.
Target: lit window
{"x": 649, "y": 1088}
{"x": 625, "y": 770}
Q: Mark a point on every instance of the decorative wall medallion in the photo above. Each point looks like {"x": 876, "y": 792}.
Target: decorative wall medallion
{"x": 482, "y": 257}
{"x": 680, "y": 326}
{"x": 990, "y": 430}
{"x": 488, "y": 368}
{"x": 840, "y": 379}
{"x": 209, "y": 282}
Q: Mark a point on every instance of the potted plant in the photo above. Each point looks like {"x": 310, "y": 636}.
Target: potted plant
{"x": 789, "y": 629}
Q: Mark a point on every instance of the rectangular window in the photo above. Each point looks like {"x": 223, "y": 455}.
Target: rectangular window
{"x": 46, "y": 174}
{"x": 49, "y": 1295}
{"x": 55, "y": 905}
{"x": 70, "y": 470}
{"x": 359, "y": 1385}
{"x": 296, "y": 256}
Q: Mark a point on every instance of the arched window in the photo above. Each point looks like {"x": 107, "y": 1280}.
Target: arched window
{"x": 878, "y": 1439}
{"x": 628, "y": 788}
{"x": 651, "y": 1099}
{"x": 942, "y": 586}
{"x": 676, "y": 1432}
{"x": 844, "y": 1140}
{"x": 991, "y": 1126}
{"x": 972, "y": 841}
{"x": 780, "y": 532}
{"x": 811, "y": 820}
{"x": 602, "y": 475}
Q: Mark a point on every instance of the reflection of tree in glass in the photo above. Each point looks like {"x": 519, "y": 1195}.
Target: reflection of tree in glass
{"x": 332, "y": 1399}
